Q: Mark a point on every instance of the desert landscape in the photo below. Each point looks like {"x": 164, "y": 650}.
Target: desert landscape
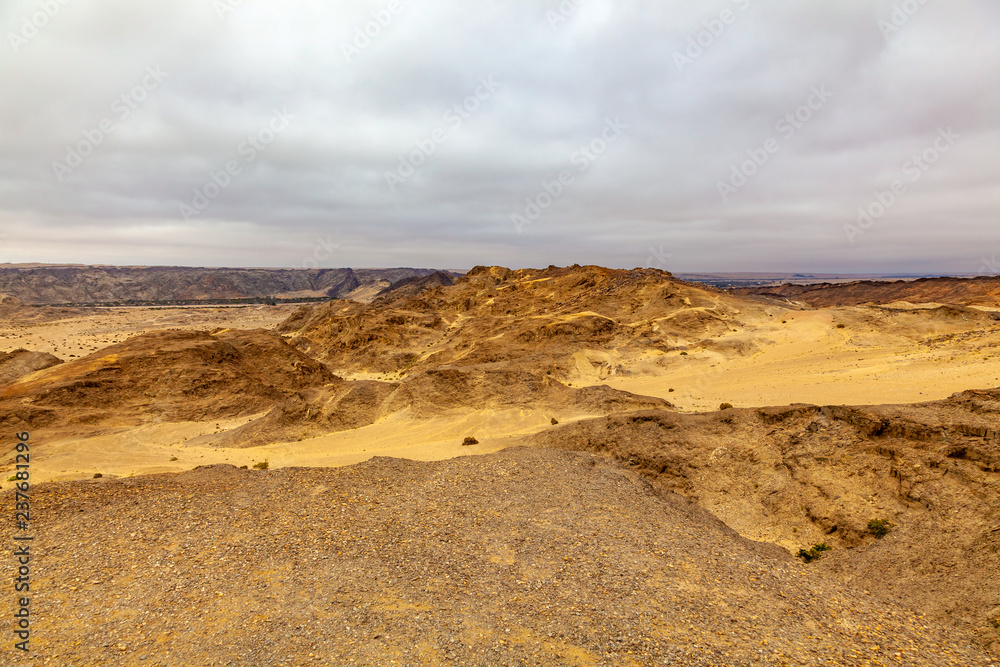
{"x": 570, "y": 465}
{"x": 500, "y": 334}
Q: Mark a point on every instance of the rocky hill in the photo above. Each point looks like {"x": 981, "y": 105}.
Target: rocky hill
{"x": 173, "y": 375}
{"x": 547, "y": 321}
{"x": 41, "y": 284}
{"x": 524, "y": 557}
{"x": 984, "y": 291}
{"x": 18, "y": 363}
{"x": 802, "y": 475}
{"x": 177, "y": 375}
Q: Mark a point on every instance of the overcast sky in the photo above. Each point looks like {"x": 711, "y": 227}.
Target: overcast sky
{"x": 734, "y": 135}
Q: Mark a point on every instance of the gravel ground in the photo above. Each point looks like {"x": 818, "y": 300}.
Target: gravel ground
{"x": 524, "y": 557}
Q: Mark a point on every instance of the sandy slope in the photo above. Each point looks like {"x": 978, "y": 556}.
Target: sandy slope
{"x": 149, "y": 449}
{"x": 809, "y": 360}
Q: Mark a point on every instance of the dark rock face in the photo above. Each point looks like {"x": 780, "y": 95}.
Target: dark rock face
{"x": 46, "y": 285}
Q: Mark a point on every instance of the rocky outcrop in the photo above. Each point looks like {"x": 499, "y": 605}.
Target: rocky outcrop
{"x": 802, "y": 475}
{"x": 535, "y": 320}
{"x": 15, "y": 365}
{"x": 172, "y": 374}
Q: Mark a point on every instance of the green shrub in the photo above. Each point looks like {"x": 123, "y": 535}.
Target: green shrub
{"x": 841, "y": 326}
{"x": 880, "y": 527}
{"x": 260, "y": 466}
{"x": 12, "y": 478}
{"x": 814, "y": 553}
{"x": 684, "y": 354}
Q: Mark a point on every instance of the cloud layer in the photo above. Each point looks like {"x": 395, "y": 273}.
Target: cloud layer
{"x": 737, "y": 135}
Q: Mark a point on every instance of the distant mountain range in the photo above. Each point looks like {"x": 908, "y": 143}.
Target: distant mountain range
{"x": 76, "y": 285}
{"x": 760, "y": 278}
{"x": 40, "y": 284}
{"x": 980, "y": 291}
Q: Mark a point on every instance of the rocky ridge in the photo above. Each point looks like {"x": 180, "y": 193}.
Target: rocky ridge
{"x": 47, "y": 285}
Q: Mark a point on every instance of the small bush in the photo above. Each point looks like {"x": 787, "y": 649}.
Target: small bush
{"x": 98, "y": 475}
{"x": 173, "y": 458}
{"x": 841, "y": 326}
{"x": 469, "y": 441}
{"x": 671, "y": 390}
{"x": 726, "y": 406}
{"x": 814, "y": 553}
{"x": 261, "y": 465}
{"x": 243, "y": 467}
{"x": 554, "y": 421}
{"x": 684, "y": 354}
{"x": 880, "y": 527}
{"x": 12, "y": 478}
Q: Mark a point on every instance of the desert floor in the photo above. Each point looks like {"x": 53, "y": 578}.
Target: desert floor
{"x": 78, "y": 335}
{"x": 802, "y": 359}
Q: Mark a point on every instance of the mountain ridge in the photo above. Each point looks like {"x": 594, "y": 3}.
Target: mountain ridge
{"x": 58, "y": 284}
{"x": 977, "y": 291}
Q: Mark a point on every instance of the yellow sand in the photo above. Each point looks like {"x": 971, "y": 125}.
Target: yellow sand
{"x": 808, "y": 360}
{"x": 149, "y": 449}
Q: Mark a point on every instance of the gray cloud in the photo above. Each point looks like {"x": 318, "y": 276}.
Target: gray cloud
{"x": 691, "y": 114}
